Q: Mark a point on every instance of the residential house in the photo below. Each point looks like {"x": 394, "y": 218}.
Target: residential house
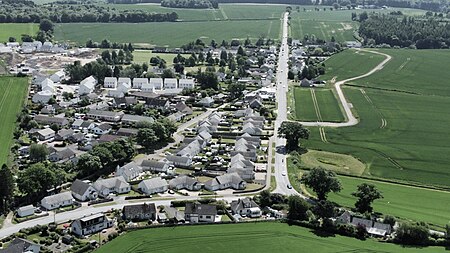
{"x": 42, "y": 97}
{"x": 19, "y": 245}
{"x": 127, "y": 132}
{"x": 147, "y": 87}
{"x": 102, "y": 129}
{"x": 153, "y": 185}
{"x": 25, "y": 211}
{"x": 116, "y": 93}
{"x": 251, "y": 129}
{"x": 124, "y": 84}
{"x": 176, "y": 117}
{"x": 206, "y": 102}
{"x": 105, "y": 115}
{"x": 80, "y": 124}
{"x": 58, "y": 200}
{"x": 62, "y": 155}
{"x": 58, "y": 76}
{"x": 45, "y": 134}
{"x": 48, "y": 109}
{"x": 107, "y": 186}
{"x": 195, "y": 212}
{"x": 182, "y": 107}
{"x": 179, "y": 161}
{"x": 139, "y": 212}
{"x": 229, "y": 180}
{"x": 170, "y": 83}
{"x": 154, "y": 166}
{"x": 132, "y": 119}
{"x": 109, "y": 138}
{"x": 64, "y": 134}
{"x": 138, "y": 83}
{"x": 89, "y": 79}
{"x": 157, "y": 103}
{"x": 242, "y": 166}
{"x": 83, "y": 191}
{"x": 91, "y": 224}
{"x": 255, "y": 103}
{"x": 172, "y": 215}
{"x": 185, "y": 182}
{"x": 129, "y": 171}
{"x": 246, "y": 207}
{"x": 123, "y": 102}
{"x": 186, "y": 83}
{"x": 110, "y": 82}
{"x": 157, "y": 83}
{"x": 47, "y": 120}
{"x": 306, "y": 83}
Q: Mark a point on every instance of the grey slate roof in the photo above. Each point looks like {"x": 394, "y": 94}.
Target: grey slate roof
{"x": 79, "y": 187}
{"x": 201, "y": 209}
{"x": 58, "y": 198}
{"x": 134, "y": 210}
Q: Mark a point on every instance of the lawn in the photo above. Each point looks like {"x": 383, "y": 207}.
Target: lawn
{"x": 400, "y": 136}
{"x": 172, "y": 34}
{"x": 16, "y": 30}
{"x": 12, "y": 95}
{"x": 141, "y": 56}
{"x": 316, "y": 105}
{"x": 251, "y": 237}
{"x": 406, "y": 202}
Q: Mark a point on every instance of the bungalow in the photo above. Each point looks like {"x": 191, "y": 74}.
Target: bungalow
{"x": 64, "y": 134}
{"x": 105, "y": 115}
{"x": 58, "y": 76}
{"x": 255, "y": 103}
{"x": 102, "y": 129}
{"x": 157, "y": 103}
{"x": 57, "y": 201}
{"x": 195, "y": 212}
{"x": 118, "y": 185}
{"x": 25, "y": 211}
{"x": 179, "y": 161}
{"x": 80, "y": 124}
{"x": 182, "y": 107}
{"x": 157, "y": 83}
{"x": 153, "y": 185}
{"x": 127, "y": 132}
{"x": 123, "y": 102}
{"x": 170, "y": 83}
{"x": 140, "y": 212}
{"x": 173, "y": 215}
{"x": 45, "y": 134}
{"x": 86, "y": 88}
{"x": 129, "y": 171}
{"x": 42, "y": 97}
{"x": 116, "y": 93}
{"x": 206, "y": 102}
{"x": 132, "y": 119}
{"x": 185, "y": 182}
{"x": 19, "y": 245}
{"x": 186, "y": 83}
{"x": 62, "y": 156}
{"x": 229, "y": 180}
{"x": 175, "y": 117}
{"x": 83, "y": 191}
{"x": 246, "y": 207}
{"x": 242, "y": 166}
{"x": 138, "y": 83}
{"x": 91, "y": 224}
{"x": 251, "y": 129}
{"x": 89, "y": 79}
{"x": 154, "y": 166}
{"x": 110, "y": 82}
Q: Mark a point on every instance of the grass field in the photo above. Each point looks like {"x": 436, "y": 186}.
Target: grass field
{"x": 16, "y": 30}
{"x": 141, "y": 56}
{"x": 343, "y": 164}
{"x": 406, "y": 202}
{"x": 12, "y": 94}
{"x": 251, "y": 237}
{"x": 316, "y": 105}
{"x": 400, "y": 136}
{"x": 172, "y": 34}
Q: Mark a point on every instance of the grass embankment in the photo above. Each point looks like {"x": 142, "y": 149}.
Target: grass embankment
{"x": 251, "y": 237}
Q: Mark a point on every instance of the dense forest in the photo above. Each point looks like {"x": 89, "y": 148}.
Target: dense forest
{"x": 422, "y": 33}
{"x": 190, "y": 4}
{"x": 28, "y": 12}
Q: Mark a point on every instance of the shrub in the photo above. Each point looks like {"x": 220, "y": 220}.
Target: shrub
{"x": 413, "y": 234}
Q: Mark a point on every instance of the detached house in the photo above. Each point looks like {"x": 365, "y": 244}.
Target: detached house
{"x": 83, "y": 191}
{"x": 87, "y": 86}
{"x": 45, "y": 134}
{"x": 185, "y": 182}
{"x": 91, "y": 224}
{"x": 110, "y": 82}
{"x": 102, "y": 129}
{"x": 62, "y": 155}
{"x": 154, "y": 166}
{"x": 206, "y": 102}
{"x": 47, "y": 120}
{"x": 246, "y": 207}
{"x": 118, "y": 185}
{"x": 195, "y": 212}
{"x": 229, "y": 180}
{"x": 19, "y": 245}
{"x": 153, "y": 185}
{"x": 186, "y": 83}
{"x": 129, "y": 171}
{"x": 140, "y": 212}
{"x": 57, "y": 201}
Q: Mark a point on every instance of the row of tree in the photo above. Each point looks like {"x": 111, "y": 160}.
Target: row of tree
{"x": 191, "y": 4}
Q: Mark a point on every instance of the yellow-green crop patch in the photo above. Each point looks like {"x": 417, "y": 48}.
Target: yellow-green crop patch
{"x": 343, "y": 164}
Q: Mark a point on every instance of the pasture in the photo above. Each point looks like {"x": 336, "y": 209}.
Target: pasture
{"x": 428, "y": 204}
{"x": 401, "y": 135}
{"x": 172, "y": 34}
{"x": 12, "y": 94}
{"x": 141, "y": 56}
{"x": 251, "y": 237}
{"x": 16, "y": 30}
{"x": 316, "y": 104}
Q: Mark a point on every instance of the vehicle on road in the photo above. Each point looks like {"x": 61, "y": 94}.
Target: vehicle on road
{"x": 283, "y": 173}
{"x": 284, "y": 86}
{"x": 289, "y": 186}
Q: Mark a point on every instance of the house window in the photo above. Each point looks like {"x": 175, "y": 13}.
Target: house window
{"x": 208, "y": 217}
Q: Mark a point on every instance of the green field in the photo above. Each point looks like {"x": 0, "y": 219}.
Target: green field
{"x": 172, "y": 34}
{"x": 16, "y": 30}
{"x": 316, "y": 105}
{"x": 400, "y": 136}
{"x": 12, "y": 94}
{"x": 141, "y": 56}
{"x": 251, "y": 237}
{"x": 405, "y": 202}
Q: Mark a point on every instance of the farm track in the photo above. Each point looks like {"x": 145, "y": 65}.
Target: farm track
{"x": 383, "y": 120}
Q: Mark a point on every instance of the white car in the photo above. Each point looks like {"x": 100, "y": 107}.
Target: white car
{"x": 283, "y": 173}
{"x": 284, "y": 86}
{"x": 289, "y": 186}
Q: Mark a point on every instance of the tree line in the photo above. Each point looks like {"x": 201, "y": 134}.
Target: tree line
{"x": 191, "y": 4}
{"x": 28, "y": 12}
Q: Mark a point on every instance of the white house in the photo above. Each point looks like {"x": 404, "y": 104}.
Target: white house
{"x": 157, "y": 83}
{"x": 139, "y": 82}
{"x": 45, "y": 134}
{"x": 246, "y": 207}
{"x": 25, "y": 211}
{"x": 58, "y": 200}
{"x": 102, "y": 129}
{"x": 107, "y": 186}
{"x": 42, "y": 96}
{"x": 124, "y": 84}
{"x": 147, "y": 87}
{"x": 170, "y": 83}
{"x": 153, "y": 185}
{"x": 230, "y": 180}
{"x": 58, "y": 76}
{"x": 21, "y": 245}
{"x": 185, "y": 182}
{"x": 206, "y": 101}
{"x": 195, "y": 212}
{"x": 87, "y": 86}
{"x": 129, "y": 171}
{"x": 46, "y": 82}
{"x": 89, "y": 79}
{"x": 83, "y": 191}
{"x": 116, "y": 93}
{"x": 110, "y": 82}
{"x": 186, "y": 83}
{"x": 91, "y": 224}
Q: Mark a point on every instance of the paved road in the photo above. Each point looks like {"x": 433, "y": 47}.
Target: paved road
{"x": 282, "y": 88}
{"x": 351, "y": 119}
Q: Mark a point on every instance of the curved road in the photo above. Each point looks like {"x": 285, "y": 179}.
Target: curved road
{"x": 351, "y": 119}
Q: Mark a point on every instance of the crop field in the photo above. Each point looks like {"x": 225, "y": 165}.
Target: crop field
{"x": 251, "y": 237}
{"x": 401, "y": 136}
{"x": 141, "y": 56}
{"x": 316, "y": 105}
{"x": 427, "y": 204}
{"x": 172, "y": 34}
{"x": 12, "y": 94}
{"x": 16, "y": 30}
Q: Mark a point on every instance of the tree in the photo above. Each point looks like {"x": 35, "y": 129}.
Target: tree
{"x": 36, "y": 180}
{"x": 293, "y": 132}
{"x": 38, "y": 152}
{"x": 366, "y": 194}
{"x": 46, "y": 25}
{"x": 207, "y": 79}
{"x": 6, "y": 188}
{"x": 236, "y": 90}
{"x": 264, "y": 198}
{"x": 388, "y": 219}
{"x": 88, "y": 164}
{"x": 322, "y": 182}
{"x": 146, "y": 137}
{"x": 413, "y": 234}
{"x": 324, "y": 209}
{"x": 297, "y": 208}
{"x": 103, "y": 154}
